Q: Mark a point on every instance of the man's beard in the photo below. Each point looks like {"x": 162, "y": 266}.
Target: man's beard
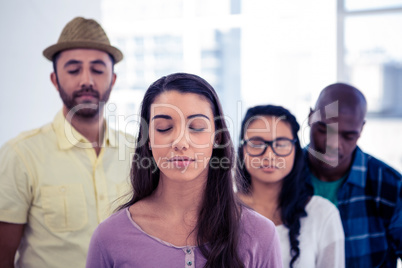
{"x": 85, "y": 109}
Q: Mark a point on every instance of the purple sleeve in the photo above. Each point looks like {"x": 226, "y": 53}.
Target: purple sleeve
{"x": 260, "y": 246}
{"x": 96, "y": 256}
{"x": 275, "y": 257}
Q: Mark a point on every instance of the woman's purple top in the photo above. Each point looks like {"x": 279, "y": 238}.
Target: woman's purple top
{"x": 120, "y": 242}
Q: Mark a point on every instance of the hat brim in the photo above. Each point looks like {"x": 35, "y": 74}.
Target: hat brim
{"x": 52, "y": 50}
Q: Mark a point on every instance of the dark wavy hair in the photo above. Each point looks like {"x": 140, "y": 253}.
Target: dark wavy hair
{"x": 295, "y": 192}
{"x": 219, "y": 217}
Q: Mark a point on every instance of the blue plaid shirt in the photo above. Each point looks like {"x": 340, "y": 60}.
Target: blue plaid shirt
{"x": 370, "y": 204}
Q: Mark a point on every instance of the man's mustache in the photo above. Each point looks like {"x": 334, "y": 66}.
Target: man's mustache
{"x": 86, "y": 91}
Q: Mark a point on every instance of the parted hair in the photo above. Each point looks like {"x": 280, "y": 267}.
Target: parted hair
{"x": 219, "y": 217}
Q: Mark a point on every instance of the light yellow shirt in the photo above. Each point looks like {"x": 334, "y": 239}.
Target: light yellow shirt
{"x": 52, "y": 181}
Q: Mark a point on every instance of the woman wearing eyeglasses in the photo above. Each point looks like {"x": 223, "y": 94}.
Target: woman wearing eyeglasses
{"x": 272, "y": 180}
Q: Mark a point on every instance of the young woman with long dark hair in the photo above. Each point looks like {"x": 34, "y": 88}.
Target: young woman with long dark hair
{"x": 183, "y": 211}
{"x": 272, "y": 180}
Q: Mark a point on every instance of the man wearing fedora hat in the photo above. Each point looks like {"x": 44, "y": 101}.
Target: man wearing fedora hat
{"x": 59, "y": 182}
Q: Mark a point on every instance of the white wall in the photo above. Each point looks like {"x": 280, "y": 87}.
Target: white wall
{"x": 292, "y": 66}
{"x": 289, "y": 52}
{"x": 27, "y": 97}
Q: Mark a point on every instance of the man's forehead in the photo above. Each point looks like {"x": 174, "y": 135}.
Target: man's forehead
{"x": 329, "y": 99}
{"x": 344, "y": 122}
{"x": 336, "y": 112}
{"x": 84, "y": 54}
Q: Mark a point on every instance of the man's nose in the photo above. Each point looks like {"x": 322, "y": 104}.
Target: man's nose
{"x": 332, "y": 141}
{"x": 86, "y": 79}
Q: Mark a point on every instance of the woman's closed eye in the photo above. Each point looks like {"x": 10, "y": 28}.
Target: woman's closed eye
{"x": 198, "y": 124}
{"x": 197, "y": 128}
{"x": 279, "y": 145}
{"x": 163, "y": 129}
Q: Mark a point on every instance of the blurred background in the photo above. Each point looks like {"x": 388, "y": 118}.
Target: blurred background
{"x": 251, "y": 51}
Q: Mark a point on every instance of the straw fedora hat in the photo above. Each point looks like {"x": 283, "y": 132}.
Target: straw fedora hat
{"x": 83, "y": 33}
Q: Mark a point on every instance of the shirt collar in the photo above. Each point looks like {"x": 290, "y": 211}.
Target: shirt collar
{"x": 68, "y": 136}
{"x": 358, "y": 170}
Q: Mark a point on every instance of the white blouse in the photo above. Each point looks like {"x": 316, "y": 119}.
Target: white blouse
{"x": 322, "y": 240}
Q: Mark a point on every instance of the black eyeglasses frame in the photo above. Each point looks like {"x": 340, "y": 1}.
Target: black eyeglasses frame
{"x": 243, "y": 142}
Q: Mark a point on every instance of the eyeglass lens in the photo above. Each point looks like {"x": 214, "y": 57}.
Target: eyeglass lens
{"x": 281, "y": 147}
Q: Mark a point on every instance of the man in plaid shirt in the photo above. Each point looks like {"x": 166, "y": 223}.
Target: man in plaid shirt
{"x": 366, "y": 191}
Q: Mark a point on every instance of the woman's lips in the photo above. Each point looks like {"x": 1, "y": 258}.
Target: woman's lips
{"x": 181, "y": 161}
{"x": 268, "y": 169}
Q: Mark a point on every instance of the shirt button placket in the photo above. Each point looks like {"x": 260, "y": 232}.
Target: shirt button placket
{"x": 189, "y": 259}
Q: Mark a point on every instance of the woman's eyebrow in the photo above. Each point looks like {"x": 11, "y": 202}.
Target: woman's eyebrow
{"x": 163, "y": 116}
{"x": 197, "y": 115}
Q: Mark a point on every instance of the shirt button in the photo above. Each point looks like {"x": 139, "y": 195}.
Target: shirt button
{"x": 188, "y": 251}
{"x": 189, "y": 263}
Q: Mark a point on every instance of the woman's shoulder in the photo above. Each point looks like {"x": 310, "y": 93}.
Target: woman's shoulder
{"x": 259, "y": 241}
{"x": 321, "y": 207}
{"x": 248, "y": 214}
{"x": 322, "y": 215}
{"x": 256, "y": 225}
{"x": 117, "y": 221}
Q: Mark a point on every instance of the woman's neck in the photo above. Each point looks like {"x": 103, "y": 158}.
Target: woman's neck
{"x": 264, "y": 198}
{"x": 171, "y": 212}
{"x": 179, "y": 199}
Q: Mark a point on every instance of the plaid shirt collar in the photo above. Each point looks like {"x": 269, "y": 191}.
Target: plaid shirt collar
{"x": 358, "y": 170}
